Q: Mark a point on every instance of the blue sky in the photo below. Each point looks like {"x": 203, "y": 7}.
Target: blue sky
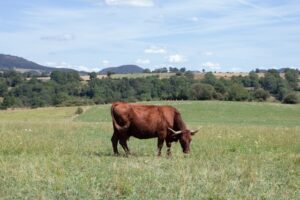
{"x": 227, "y": 35}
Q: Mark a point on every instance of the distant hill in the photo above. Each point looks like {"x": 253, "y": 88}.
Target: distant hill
{"x": 124, "y": 69}
{"x": 8, "y": 62}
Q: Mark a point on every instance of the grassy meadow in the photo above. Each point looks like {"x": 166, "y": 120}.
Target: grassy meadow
{"x": 243, "y": 151}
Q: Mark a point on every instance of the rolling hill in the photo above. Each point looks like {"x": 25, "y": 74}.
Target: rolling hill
{"x": 8, "y": 62}
{"x": 123, "y": 69}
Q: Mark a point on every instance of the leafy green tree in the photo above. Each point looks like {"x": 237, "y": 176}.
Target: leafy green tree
{"x": 292, "y": 77}
{"x": 182, "y": 69}
{"x": 147, "y": 71}
{"x": 13, "y": 78}
{"x": 237, "y": 93}
{"x": 203, "y": 91}
{"x": 271, "y": 81}
{"x": 109, "y": 74}
{"x": 210, "y": 78}
{"x": 254, "y": 80}
{"x": 93, "y": 75}
{"x": 189, "y": 75}
{"x": 3, "y": 88}
{"x": 173, "y": 69}
{"x": 64, "y": 77}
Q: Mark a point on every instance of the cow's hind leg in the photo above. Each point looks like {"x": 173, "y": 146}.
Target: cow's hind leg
{"x": 114, "y": 141}
{"x": 123, "y": 143}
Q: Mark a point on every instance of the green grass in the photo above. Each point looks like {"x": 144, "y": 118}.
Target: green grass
{"x": 243, "y": 151}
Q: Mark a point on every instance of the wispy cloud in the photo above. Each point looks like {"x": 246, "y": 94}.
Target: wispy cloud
{"x": 177, "y": 58}
{"x": 242, "y": 32}
{"x": 105, "y": 62}
{"x": 155, "y": 50}
{"x": 137, "y": 3}
{"x": 70, "y": 66}
{"x": 141, "y": 61}
{"x": 59, "y": 38}
{"x": 211, "y": 65}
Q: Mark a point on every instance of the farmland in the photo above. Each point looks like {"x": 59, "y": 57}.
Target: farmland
{"x": 243, "y": 151}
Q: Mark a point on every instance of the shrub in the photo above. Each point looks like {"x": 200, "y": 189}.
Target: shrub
{"x": 260, "y": 94}
{"x": 291, "y": 98}
{"x": 79, "y": 111}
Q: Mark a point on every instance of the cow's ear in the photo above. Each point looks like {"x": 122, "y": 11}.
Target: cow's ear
{"x": 175, "y": 137}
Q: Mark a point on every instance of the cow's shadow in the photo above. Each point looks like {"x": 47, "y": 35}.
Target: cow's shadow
{"x": 111, "y": 154}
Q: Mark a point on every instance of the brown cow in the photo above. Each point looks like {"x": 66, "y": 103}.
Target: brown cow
{"x": 148, "y": 121}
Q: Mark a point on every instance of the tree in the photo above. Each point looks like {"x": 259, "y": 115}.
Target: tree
{"x": 3, "y": 88}
{"x": 254, "y": 79}
{"x": 109, "y": 74}
{"x": 237, "y": 93}
{"x": 292, "y": 77}
{"x": 64, "y": 77}
{"x": 93, "y": 75}
{"x": 182, "y": 69}
{"x": 209, "y": 78}
{"x": 146, "y": 70}
{"x": 189, "y": 75}
{"x": 161, "y": 70}
{"x": 202, "y": 91}
{"x": 13, "y": 78}
{"x": 271, "y": 81}
{"x": 173, "y": 69}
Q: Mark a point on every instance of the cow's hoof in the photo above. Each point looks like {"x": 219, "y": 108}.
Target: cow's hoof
{"x": 169, "y": 155}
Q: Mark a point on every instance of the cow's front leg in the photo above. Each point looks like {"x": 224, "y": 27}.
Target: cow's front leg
{"x": 169, "y": 154}
{"x": 160, "y": 143}
{"x": 114, "y": 141}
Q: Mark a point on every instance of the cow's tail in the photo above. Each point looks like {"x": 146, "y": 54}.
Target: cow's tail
{"x": 115, "y": 123}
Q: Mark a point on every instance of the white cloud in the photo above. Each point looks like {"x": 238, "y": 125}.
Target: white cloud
{"x": 59, "y": 38}
{"x": 137, "y": 3}
{"x": 142, "y": 61}
{"x": 70, "y": 66}
{"x": 236, "y": 69}
{"x": 155, "y": 50}
{"x": 211, "y": 65}
{"x": 177, "y": 58}
{"x": 105, "y": 62}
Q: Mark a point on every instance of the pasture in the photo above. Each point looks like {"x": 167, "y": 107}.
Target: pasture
{"x": 243, "y": 151}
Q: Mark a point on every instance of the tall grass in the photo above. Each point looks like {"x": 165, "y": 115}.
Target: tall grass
{"x": 243, "y": 151}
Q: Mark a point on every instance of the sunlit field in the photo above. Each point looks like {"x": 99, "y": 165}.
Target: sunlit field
{"x": 242, "y": 151}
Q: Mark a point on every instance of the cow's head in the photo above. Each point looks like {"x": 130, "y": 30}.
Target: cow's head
{"x": 184, "y": 137}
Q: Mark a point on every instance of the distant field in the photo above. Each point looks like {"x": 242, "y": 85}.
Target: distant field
{"x": 243, "y": 151}
{"x": 199, "y": 75}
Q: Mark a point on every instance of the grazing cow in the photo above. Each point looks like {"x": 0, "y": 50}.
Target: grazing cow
{"x": 149, "y": 121}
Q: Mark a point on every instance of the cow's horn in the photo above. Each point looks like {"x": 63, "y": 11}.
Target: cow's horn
{"x": 175, "y": 132}
{"x": 193, "y": 132}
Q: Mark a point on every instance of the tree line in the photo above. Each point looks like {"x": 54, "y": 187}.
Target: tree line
{"x": 67, "y": 88}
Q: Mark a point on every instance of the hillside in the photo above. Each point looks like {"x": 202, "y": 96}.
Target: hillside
{"x": 8, "y": 62}
{"x": 124, "y": 69}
